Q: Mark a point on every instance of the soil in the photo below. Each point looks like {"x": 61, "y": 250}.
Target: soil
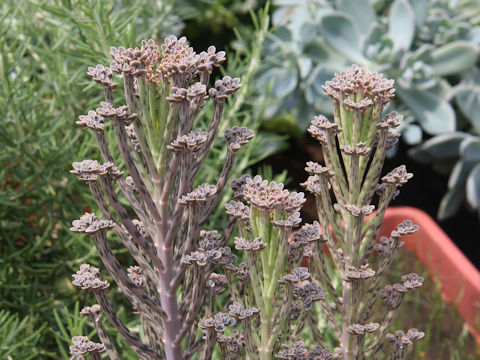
{"x": 424, "y": 190}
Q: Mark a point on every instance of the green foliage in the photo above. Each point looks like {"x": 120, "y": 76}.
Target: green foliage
{"x": 18, "y": 337}
{"x": 429, "y": 47}
{"x": 46, "y": 47}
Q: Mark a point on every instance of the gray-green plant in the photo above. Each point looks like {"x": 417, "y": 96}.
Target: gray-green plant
{"x": 159, "y": 214}
{"x": 46, "y": 47}
{"x": 426, "y": 46}
{"x": 458, "y": 153}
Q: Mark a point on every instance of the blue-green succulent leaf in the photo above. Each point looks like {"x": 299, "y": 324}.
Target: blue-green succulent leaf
{"x": 470, "y": 156}
{"x": 459, "y": 174}
{"x": 283, "y": 33}
{"x": 440, "y": 147}
{"x": 305, "y": 66}
{"x": 322, "y": 73}
{"x": 474, "y": 35}
{"x": 320, "y": 53}
{"x": 340, "y": 34}
{"x": 401, "y": 24}
{"x": 308, "y": 33}
{"x": 468, "y": 100}
{"x": 379, "y": 46}
{"x": 450, "y": 203}
{"x": 412, "y": 134}
{"x": 361, "y": 12}
{"x": 420, "y": 9}
{"x": 473, "y": 187}
{"x": 284, "y": 80}
{"x": 453, "y": 58}
{"x": 435, "y": 114}
{"x": 470, "y": 149}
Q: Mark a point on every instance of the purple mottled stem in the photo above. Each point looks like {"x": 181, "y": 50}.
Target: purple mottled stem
{"x": 121, "y": 182}
{"x": 132, "y": 169}
{"x": 136, "y": 295}
{"x": 104, "y": 338}
{"x": 224, "y": 175}
{"x": 217, "y": 116}
{"x": 193, "y": 231}
{"x": 209, "y": 346}
{"x": 127, "y": 222}
{"x": 140, "y": 348}
{"x": 195, "y": 304}
{"x": 108, "y": 93}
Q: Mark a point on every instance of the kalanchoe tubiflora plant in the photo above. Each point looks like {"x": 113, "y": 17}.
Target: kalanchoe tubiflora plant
{"x": 160, "y": 219}
{"x": 277, "y": 293}
{"x": 160, "y": 223}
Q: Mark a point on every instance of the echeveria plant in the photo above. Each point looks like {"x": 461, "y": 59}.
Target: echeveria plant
{"x": 429, "y": 47}
{"x": 181, "y": 268}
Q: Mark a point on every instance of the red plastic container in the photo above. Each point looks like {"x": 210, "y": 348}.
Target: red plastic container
{"x": 459, "y": 279}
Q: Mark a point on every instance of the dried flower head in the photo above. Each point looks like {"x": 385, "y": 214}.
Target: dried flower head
{"x": 207, "y": 60}
{"x": 193, "y": 141}
{"x": 90, "y": 311}
{"x": 90, "y": 225}
{"x": 82, "y": 345}
{"x": 309, "y": 292}
{"x": 199, "y": 195}
{"x": 88, "y": 278}
{"x": 295, "y": 351}
{"x": 412, "y": 281}
{"x": 390, "y": 121}
{"x": 297, "y": 275}
{"x": 237, "y": 137}
{"x": 255, "y": 244}
{"x": 293, "y": 220}
{"x": 218, "y": 322}
{"x": 177, "y": 58}
{"x": 102, "y": 75}
{"x": 136, "y": 275}
{"x": 237, "y": 311}
{"x": 397, "y": 177}
{"x": 364, "y": 272}
{"x": 237, "y": 210}
{"x": 216, "y": 283}
{"x": 261, "y": 194}
{"x": 359, "y": 329}
{"x": 359, "y": 82}
{"x": 360, "y": 149}
{"x": 321, "y": 127}
{"x": 224, "y": 87}
{"x": 91, "y": 121}
{"x": 314, "y": 168}
{"x": 235, "y": 342}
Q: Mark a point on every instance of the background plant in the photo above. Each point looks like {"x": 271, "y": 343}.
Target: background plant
{"x": 429, "y": 47}
{"x": 354, "y": 147}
